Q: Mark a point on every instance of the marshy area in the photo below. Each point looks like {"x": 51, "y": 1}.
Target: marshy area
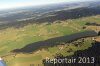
{"x": 88, "y": 53}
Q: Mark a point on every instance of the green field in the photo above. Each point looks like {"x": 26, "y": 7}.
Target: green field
{"x": 14, "y": 38}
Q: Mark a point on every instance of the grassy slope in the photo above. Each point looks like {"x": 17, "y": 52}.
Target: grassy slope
{"x": 12, "y": 38}
{"x": 37, "y": 57}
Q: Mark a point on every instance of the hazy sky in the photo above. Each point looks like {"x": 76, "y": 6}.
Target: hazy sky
{"x": 20, "y": 3}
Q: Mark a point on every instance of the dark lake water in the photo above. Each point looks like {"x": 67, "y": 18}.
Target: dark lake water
{"x": 55, "y": 41}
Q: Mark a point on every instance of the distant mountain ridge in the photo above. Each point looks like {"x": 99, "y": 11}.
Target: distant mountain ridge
{"x": 49, "y": 13}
